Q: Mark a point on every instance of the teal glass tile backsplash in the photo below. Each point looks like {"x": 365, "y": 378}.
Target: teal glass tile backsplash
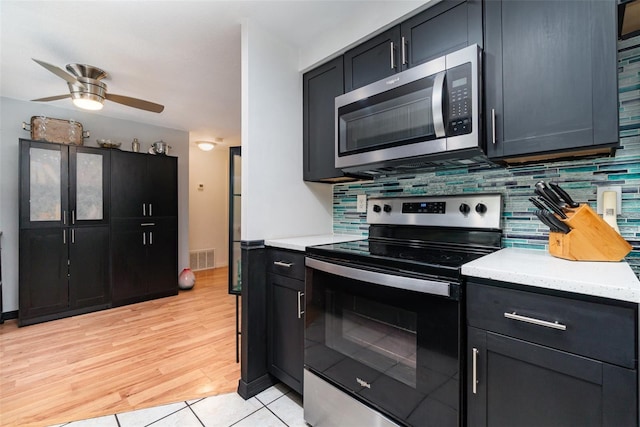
{"x": 520, "y": 227}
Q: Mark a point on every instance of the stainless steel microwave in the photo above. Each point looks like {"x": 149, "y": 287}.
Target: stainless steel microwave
{"x": 426, "y": 114}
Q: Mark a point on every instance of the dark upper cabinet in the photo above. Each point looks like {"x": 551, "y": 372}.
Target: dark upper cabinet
{"x": 550, "y": 78}
{"x": 320, "y": 88}
{"x": 443, "y": 28}
{"x": 539, "y": 360}
{"x": 372, "y": 60}
{"x": 143, "y": 185}
{"x": 62, "y": 185}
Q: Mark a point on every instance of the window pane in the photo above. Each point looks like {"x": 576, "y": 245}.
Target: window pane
{"x": 44, "y": 170}
{"x": 89, "y": 186}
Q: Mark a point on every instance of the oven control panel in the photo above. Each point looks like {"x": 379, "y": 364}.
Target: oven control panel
{"x": 466, "y": 211}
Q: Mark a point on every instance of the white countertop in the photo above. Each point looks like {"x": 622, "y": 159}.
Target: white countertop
{"x": 301, "y": 243}
{"x": 613, "y": 280}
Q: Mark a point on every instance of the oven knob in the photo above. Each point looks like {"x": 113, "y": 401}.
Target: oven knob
{"x": 481, "y": 208}
{"x": 387, "y": 208}
{"x": 376, "y": 208}
{"x": 464, "y": 208}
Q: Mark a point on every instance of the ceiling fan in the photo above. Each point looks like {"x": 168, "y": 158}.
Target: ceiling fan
{"x": 88, "y": 91}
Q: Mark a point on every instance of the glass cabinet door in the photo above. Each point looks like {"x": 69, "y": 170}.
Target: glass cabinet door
{"x": 235, "y": 180}
{"x": 44, "y": 180}
{"x": 89, "y": 185}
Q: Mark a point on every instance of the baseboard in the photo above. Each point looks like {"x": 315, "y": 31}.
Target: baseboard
{"x": 8, "y": 315}
{"x": 248, "y": 390}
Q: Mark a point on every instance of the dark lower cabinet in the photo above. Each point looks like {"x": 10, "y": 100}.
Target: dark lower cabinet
{"x": 285, "y": 317}
{"x": 144, "y": 259}
{"x": 526, "y": 373}
{"x": 63, "y": 271}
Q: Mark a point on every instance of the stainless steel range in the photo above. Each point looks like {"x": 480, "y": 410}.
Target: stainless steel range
{"x": 383, "y": 316}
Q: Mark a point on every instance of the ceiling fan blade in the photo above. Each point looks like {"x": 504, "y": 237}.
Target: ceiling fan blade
{"x": 60, "y": 73}
{"x": 53, "y": 98}
{"x": 136, "y": 103}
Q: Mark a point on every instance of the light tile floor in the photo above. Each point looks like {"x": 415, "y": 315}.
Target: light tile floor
{"x": 277, "y": 406}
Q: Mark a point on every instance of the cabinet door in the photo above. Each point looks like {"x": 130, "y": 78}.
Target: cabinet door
{"x": 161, "y": 193}
{"x": 89, "y": 184}
{"x": 286, "y": 329}
{"x": 128, "y": 181}
{"x": 550, "y": 76}
{"x": 89, "y": 266}
{"x": 44, "y": 288}
{"x": 44, "y": 182}
{"x": 443, "y": 28}
{"x": 372, "y": 60}
{"x": 523, "y": 384}
{"x": 128, "y": 262}
{"x": 161, "y": 243}
{"x": 321, "y": 86}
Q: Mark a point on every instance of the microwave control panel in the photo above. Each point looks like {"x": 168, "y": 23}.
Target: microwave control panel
{"x": 459, "y": 97}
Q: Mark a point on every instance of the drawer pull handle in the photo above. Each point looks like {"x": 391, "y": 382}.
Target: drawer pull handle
{"x": 475, "y": 371}
{"x": 283, "y": 264}
{"x": 553, "y": 325}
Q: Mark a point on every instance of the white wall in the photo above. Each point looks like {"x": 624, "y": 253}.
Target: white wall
{"x": 14, "y": 112}
{"x": 276, "y": 202}
{"x": 209, "y": 207}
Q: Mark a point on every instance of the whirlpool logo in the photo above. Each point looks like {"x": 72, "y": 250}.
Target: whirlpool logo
{"x": 363, "y": 383}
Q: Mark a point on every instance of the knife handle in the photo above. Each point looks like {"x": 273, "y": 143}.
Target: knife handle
{"x": 564, "y": 195}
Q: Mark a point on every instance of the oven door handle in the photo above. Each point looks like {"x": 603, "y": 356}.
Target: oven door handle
{"x": 401, "y": 282}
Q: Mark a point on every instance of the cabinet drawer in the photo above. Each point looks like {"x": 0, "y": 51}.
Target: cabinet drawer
{"x": 596, "y": 330}
{"x": 286, "y": 263}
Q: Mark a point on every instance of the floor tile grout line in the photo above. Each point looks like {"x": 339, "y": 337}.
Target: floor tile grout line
{"x": 195, "y": 415}
{"x": 186, "y": 405}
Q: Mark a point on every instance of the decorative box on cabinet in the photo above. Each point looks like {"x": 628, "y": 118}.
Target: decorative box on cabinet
{"x": 550, "y": 79}
{"x": 64, "y": 231}
{"x": 144, "y": 231}
{"x": 285, "y": 316}
{"x": 539, "y": 359}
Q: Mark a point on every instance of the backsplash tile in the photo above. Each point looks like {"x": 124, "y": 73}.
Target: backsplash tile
{"x": 520, "y": 227}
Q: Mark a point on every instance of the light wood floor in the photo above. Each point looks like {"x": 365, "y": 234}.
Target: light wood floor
{"x": 137, "y": 356}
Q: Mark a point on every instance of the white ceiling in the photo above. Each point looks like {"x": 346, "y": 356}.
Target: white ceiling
{"x": 182, "y": 54}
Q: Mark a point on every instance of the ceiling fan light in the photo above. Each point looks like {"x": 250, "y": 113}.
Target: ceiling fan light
{"x": 88, "y": 103}
{"x": 205, "y": 145}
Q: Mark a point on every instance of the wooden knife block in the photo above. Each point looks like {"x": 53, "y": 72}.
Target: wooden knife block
{"x": 590, "y": 238}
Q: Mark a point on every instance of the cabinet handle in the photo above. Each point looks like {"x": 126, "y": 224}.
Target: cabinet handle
{"x": 474, "y": 360}
{"x": 73, "y": 235}
{"x": 64, "y": 217}
{"x": 283, "y": 264}
{"x": 147, "y": 224}
{"x": 144, "y": 238}
{"x": 545, "y": 323}
{"x": 393, "y": 59}
{"x": 151, "y": 237}
{"x": 404, "y": 50}
{"x": 64, "y": 237}
{"x": 73, "y": 217}
{"x": 493, "y": 126}
{"x": 300, "y": 310}
{"x": 144, "y": 209}
{"x": 150, "y": 209}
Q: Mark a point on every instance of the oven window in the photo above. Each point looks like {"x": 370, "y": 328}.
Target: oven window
{"x": 375, "y": 334}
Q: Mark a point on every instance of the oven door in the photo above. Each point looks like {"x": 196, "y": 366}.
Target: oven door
{"x": 395, "y": 349}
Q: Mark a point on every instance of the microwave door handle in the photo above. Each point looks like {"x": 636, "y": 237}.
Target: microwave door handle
{"x": 437, "y": 99}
